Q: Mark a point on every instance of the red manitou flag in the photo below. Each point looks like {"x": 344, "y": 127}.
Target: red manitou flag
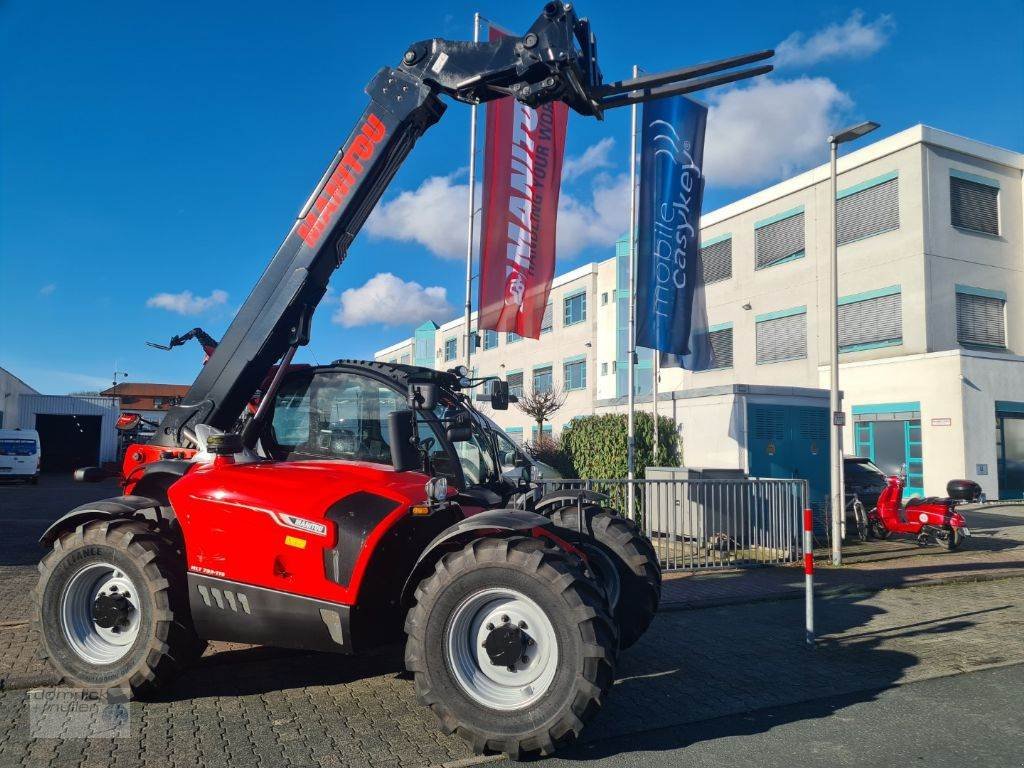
{"x": 522, "y": 176}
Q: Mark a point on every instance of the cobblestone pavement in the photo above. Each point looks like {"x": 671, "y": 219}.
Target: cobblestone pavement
{"x": 995, "y": 550}
{"x": 267, "y": 707}
{"x": 274, "y": 708}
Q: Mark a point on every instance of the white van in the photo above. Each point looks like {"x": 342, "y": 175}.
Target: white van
{"x": 19, "y": 455}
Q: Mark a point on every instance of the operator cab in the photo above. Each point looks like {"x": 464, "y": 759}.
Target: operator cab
{"x": 343, "y": 411}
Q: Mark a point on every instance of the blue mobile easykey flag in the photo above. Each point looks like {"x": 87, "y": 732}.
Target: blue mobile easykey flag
{"x": 670, "y": 310}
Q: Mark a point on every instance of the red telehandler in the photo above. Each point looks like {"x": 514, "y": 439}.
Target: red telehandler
{"x": 359, "y": 500}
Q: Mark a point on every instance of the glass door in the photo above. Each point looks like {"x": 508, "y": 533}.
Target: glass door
{"x": 1010, "y": 455}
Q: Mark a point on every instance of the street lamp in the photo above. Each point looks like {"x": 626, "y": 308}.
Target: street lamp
{"x": 838, "y": 417}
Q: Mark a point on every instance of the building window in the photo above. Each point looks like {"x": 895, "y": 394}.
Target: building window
{"x": 451, "y": 349}
{"x": 721, "y": 346}
{"x": 516, "y": 433}
{"x": 490, "y": 339}
{"x": 575, "y": 374}
{"x": 868, "y": 209}
{"x": 546, "y": 431}
{"x": 779, "y": 239}
{"x": 716, "y": 259}
{"x": 512, "y": 337}
{"x": 549, "y": 319}
{"x": 604, "y": 369}
{"x": 781, "y": 336}
{"x": 158, "y": 402}
{"x": 575, "y": 309}
{"x": 405, "y": 360}
{"x": 870, "y": 320}
{"x": 980, "y": 317}
{"x": 515, "y": 383}
{"x": 542, "y": 379}
{"x": 604, "y": 298}
{"x": 974, "y": 203}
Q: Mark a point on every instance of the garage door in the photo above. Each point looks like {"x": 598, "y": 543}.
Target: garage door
{"x": 68, "y": 442}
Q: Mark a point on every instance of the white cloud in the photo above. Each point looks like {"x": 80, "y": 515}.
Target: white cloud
{"x": 596, "y": 221}
{"x": 391, "y": 301}
{"x": 851, "y": 39}
{"x": 770, "y": 129}
{"x": 594, "y": 157}
{"x": 186, "y": 303}
{"x": 48, "y": 289}
{"x": 433, "y": 215}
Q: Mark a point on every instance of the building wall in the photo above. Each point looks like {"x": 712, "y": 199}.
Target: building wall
{"x": 925, "y": 256}
{"x": 11, "y": 389}
{"x": 67, "y": 405}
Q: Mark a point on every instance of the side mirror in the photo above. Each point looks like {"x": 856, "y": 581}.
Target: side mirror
{"x": 422, "y": 395}
{"x": 499, "y": 395}
{"x": 459, "y": 434}
{"x": 404, "y": 456}
{"x": 89, "y": 475}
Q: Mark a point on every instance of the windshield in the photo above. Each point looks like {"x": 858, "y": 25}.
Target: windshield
{"x": 474, "y": 454}
{"x": 863, "y": 471}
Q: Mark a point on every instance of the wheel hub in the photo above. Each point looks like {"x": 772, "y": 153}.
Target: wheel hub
{"x": 504, "y": 645}
{"x": 111, "y": 610}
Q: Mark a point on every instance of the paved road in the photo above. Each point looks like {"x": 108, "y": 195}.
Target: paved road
{"x": 270, "y": 708}
{"x": 949, "y": 722}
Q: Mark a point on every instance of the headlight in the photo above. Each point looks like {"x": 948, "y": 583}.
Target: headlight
{"x": 437, "y": 489}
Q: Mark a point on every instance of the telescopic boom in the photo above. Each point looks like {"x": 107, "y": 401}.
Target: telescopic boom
{"x": 556, "y": 60}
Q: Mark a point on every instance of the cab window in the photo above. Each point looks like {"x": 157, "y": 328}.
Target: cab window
{"x": 334, "y": 415}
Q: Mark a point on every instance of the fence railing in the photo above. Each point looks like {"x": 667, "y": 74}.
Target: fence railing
{"x": 711, "y": 523}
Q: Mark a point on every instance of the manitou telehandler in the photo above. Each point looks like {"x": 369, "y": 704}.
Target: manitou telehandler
{"x": 359, "y": 500}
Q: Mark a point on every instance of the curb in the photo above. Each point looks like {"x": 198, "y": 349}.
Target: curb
{"x": 853, "y": 589}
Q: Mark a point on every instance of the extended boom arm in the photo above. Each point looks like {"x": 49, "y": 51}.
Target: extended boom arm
{"x": 556, "y": 60}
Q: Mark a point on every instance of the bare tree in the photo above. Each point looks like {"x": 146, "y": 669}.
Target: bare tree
{"x": 540, "y": 404}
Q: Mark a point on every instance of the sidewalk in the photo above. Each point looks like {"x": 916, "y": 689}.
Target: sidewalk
{"x": 996, "y": 550}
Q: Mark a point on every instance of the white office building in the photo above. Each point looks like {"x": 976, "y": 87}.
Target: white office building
{"x": 931, "y": 308}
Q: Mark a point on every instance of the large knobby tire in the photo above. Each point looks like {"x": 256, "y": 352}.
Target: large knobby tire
{"x": 567, "y": 641}
{"x": 139, "y": 575}
{"x": 623, "y": 559}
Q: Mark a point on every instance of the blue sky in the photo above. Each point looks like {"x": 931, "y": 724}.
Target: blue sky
{"x": 153, "y": 155}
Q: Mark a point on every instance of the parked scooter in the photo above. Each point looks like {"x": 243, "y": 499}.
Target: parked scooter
{"x": 932, "y": 519}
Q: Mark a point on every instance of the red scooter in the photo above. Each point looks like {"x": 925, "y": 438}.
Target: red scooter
{"x": 932, "y": 519}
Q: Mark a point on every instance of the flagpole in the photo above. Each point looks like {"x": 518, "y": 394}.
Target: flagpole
{"x": 631, "y": 329}
{"x": 656, "y": 354}
{"x": 472, "y": 215}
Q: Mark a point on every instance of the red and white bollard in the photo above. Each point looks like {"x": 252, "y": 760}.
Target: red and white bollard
{"x": 809, "y": 576}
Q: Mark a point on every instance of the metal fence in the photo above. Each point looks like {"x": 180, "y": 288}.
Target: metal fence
{"x": 711, "y": 523}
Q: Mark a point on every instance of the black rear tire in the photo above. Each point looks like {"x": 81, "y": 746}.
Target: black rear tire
{"x": 638, "y": 570}
{"x": 952, "y": 540}
{"x": 166, "y": 640}
{"x": 580, "y": 629}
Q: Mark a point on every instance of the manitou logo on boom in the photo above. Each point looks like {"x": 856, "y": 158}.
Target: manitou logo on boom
{"x": 529, "y": 166}
{"x": 341, "y": 181}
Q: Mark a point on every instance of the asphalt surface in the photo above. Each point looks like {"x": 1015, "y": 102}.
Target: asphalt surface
{"x": 974, "y": 719}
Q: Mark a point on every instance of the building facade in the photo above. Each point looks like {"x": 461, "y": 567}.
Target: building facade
{"x": 931, "y": 315}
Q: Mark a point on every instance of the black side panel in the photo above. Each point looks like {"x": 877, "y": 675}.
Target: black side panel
{"x": 227, "y": 610}
{"x": 355, "y": 516}
{"x": 119, "y": 506}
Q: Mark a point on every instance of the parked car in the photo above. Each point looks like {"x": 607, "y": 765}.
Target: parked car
{"x": 19, "y": 455}
{"x": 863, "y": 480}
{"x": 514, "y": 457}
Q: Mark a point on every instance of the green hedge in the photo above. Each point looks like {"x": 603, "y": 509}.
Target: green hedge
{"x": 596, "y": 445}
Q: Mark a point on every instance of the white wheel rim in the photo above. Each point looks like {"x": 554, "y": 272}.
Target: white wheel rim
{"x": 94, "y": 642}
{"x": 494, "y": 686}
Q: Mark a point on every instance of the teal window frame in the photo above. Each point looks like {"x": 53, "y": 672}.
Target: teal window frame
{"x": 800, "y": 209}
{"x": 511, "y": 337}
{"x": 567, "y": 315}
{"x": 490, "y": 339}
{"x": 533, "y": 376}
{"x": 577, "y": 363}
{"x": 451, "y": 348}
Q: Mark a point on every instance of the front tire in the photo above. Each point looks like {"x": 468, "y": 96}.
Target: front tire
{"x": 111, "y": 610}
{"x": 511, "y": 646}
{"x": 623, "y": 560}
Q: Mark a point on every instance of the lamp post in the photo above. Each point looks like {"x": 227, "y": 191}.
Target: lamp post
{"x": 838, "y": 418}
